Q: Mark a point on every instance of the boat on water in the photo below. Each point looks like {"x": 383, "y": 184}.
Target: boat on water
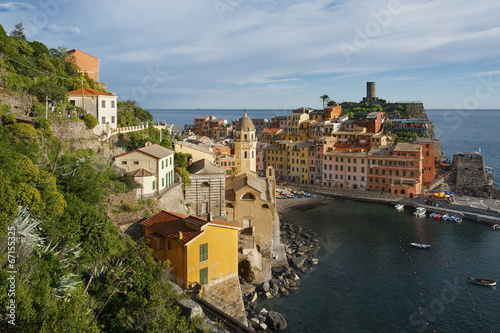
{"x": 309, "y": 195}
{"x": 438, "y": 216}
{"x": 445, "y": 217}
{"x": 458, "y": 219}
{"x": 432, "y": 215}
{"x": 399, "y": 206}
{"x": 496, "y": 226}
{"x": 420, "y": 212}
{"x": 421, "y": 246}
{"x": 483, "y": 282}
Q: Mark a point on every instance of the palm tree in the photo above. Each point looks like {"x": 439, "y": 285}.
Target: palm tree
{"x": 325, "y": 98}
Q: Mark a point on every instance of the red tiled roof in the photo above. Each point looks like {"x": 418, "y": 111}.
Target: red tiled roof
{"x": 169, "y": 224}
{"x": 271, "y": 130}
{"x": 87, "y": 92}
{"x": 140, "y": 173}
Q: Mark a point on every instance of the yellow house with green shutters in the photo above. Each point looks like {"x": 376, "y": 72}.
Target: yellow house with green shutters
{"x": 201, "y": 251}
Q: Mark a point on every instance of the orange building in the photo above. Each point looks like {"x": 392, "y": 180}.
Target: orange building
{"x": 396, "y": 169}
{"x": 87, "y": 63}
{"x": 428, "y": 151}
{"x": 332, "y": 112}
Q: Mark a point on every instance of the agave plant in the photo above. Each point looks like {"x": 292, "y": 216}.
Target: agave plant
{"x": 66, "y": 285}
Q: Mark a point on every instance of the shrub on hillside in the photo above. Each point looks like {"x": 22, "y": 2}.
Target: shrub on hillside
{"x": 90, "y": 121}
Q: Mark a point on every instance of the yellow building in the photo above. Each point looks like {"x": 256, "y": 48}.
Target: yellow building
{"x": 201, "y": 251}
{"x": 198, "y": 151}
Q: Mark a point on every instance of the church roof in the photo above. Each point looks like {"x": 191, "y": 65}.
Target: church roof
{"x": 245, "y": 124}
{"x": 203, "y": 166}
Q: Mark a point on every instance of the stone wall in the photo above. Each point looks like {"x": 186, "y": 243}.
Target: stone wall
{"x": 226, "y": 296}
{"x": 470, "y": 170}
{"x": 20, "y": 105}
{"x": 206, "y": 193}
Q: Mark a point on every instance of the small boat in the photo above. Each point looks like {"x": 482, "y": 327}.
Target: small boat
{"x": 445, "y": 217}
{"x": 452, "y": 218}
{"x": 421, "y": 246}
{"x": 309, "y": 195}
{"x": 483, "y": 282}
{"x": 438, "y": 216}
{"x": 496, "y": 226}
{"x": 420, "y": 212}
{"x": 458, "y": 219}
{"x": 432, "y": 215}
{"x": 399, "y": 206}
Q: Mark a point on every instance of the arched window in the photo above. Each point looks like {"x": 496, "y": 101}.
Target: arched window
{"x": 205, "y": 184}
{"x": 253, "y": 154}
{"x": 245, "y": 136}
{"x": 402, "y": 191}
{"x": 248, "y": 196}
{"x": 265, "y": 206}
{"x": 229, "y": 205}
{"x": 395, "y": 191}
{"x": 246, "y": 155}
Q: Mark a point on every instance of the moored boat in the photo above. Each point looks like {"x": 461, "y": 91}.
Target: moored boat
{"x": 422, "y": 246}
{"x": 420, "y": 212}
{"x": 432, "y": 215}
{"x": 399, "y": 206}
{"x": 438, "y": 216}
{"x": 458, "y": 219}
{"x": 496, "y": 226}
{"x": 445, "y": 217}
{"x": 483, "y": 282}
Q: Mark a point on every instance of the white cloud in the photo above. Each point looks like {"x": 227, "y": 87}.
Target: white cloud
{"x": 15, "y": 6}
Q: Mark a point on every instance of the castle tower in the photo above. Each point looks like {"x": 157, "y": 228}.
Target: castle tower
{"x": 245, "y": 146}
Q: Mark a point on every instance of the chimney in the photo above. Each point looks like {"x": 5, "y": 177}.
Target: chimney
{"x": 180, "y": 235}
{"x": 209, "y": 217}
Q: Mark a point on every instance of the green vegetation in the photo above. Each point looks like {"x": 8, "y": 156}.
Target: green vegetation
{"x": 75, "y": 271}
{"x": 129, "y": 114}
{"x": 31, "y": 67}
{"x": 90, "y": 121}
{"x": 405, "y": 137}
{"x": 181, "y": 162}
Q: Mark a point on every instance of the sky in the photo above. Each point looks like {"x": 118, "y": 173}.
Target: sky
{"x": 268, "y": 54}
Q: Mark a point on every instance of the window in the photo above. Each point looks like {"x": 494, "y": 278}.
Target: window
{"x": 203, "y": 252}
{"x": 265, "y": 206}
{"x": 411, "y": 174}
{"x": 103, "y": 120}
{"x": 162, "y": 164}
{"x": 136, "y": 162}
{"x": 72, "y": 102}
{"x": 112, "y": 104}
{"x": 159, "y": 243}
{"x": 103, "y": 104}
{"x": 169, "y": 246}
{"x": 153, "y": 184}
{"x": 124, "y": 162}
{"x": 248, "y": 196}
{"x": 204, "y": 276}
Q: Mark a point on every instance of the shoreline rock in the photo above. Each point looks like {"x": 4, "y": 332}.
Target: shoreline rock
{"x": 301, "y": 247}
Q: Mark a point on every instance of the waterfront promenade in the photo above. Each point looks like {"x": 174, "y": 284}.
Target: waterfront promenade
{"x": 472, "y": 208}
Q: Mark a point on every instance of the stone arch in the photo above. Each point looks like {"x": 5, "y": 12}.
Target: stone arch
{"x": 265, "y": 206}
{"x": 248, "y": 196}
{"x": 229, "y": 205}
{"x": 205, "y": 184}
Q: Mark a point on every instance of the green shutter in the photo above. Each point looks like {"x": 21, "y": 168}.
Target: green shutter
{"x": 204, "y": 252}
{"x": 204, "y": 276}
{"x": 153, "y": 184}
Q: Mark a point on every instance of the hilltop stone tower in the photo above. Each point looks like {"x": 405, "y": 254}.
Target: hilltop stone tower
{"x": 245, "y": 146}
{"x": 371, "y": 95}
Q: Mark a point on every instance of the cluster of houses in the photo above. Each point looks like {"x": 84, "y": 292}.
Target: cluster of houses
{"x": 326, "y": 148}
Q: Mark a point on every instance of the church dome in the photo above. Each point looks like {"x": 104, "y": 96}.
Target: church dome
{"x": 245, "y": 124}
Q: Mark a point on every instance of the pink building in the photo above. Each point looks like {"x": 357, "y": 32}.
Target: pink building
{"x": 346, "y": 168}
{"x": 315, "y": 160}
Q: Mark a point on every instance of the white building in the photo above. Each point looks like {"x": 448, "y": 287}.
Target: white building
{"x": 151, "y": 166}
{"x": 101, "y": 105}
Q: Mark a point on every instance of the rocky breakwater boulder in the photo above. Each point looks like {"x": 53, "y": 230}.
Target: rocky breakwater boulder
{"x": 301, "y": 249}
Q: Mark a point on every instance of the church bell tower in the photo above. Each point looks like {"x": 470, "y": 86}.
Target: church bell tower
{"x": 245, "y": 146}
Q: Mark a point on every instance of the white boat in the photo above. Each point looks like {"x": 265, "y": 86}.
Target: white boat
{"x": 458, "y": 219}
{"x": 420, "y": 212}
{"x": 483, "y": 282}
{"x": 445, "y": 217}
{"x": 399, "y": 206}
{"x": 422, "y": 246}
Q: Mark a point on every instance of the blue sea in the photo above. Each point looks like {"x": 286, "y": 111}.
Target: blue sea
{"x": 369, "y": 278}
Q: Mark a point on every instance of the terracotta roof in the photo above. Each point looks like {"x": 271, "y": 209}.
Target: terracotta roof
{"x": 204, "y": 167}
{"x": 271, "y": 130}
{"x": 140, "y": 173}
{"x": 88, "y": 92}
{"x": 169, "y": 225}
